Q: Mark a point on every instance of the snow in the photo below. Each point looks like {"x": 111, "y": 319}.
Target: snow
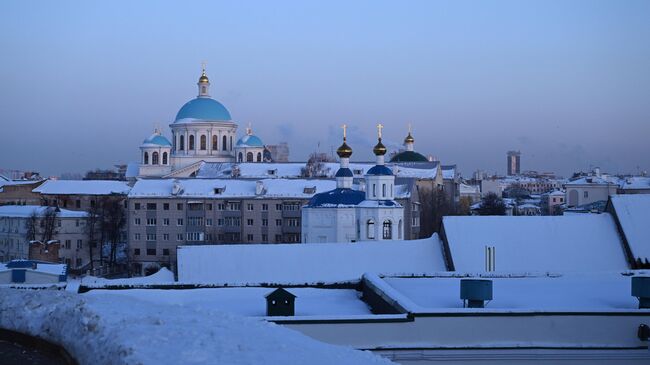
{"x": 83, "y": 187}
{"x": 574, "y": 292}
{"x": 251, "y": 302}
{"x": 25, "y": 211}
{"x": 306, "y": 263}
{"x": 633, "y": 213}
{"x": 45, "y": 267}
{"x": 449, "y": 172}
{"x": 117, "y": 329}
{"x": 163, "y": 276}
{"x": 635, "y": 182}
{"x": 590, "y": 180}
{"x": 587, "y": 242}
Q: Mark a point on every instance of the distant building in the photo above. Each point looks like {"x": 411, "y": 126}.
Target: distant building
{"x": 279, "y": 152}
{"x": 588, "y": 190}
{"x": 514, "y": 163}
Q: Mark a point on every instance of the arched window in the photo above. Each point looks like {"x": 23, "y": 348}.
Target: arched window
{"x": 190, "y": 142}
{"x": 164, "y": 158}
{"x": 204, "y": 142}
{"x": 146, "y": 158}
{"x": 241, "y": 157}
{"x": 383, "y": 190}
{"x": 224, "y": 143}
{"x": 154, "y": 158}
{"x": 399, "y": 230}
{"x": 259, "y": 157}
{"x": 249, "y": 157}
{"x": 231, "y": 143}
{"x": 182, "y": 144}
{"x": 370, "y": 229}
{"x": 387, "y": 232}
{"x": 374, "y": 190}
{"x": 215, "y": 139}
{"x": 173, "y": 142}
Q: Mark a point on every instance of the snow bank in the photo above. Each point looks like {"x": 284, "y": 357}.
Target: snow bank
{"x": 163, "y": 276}
{"x": 306, "y": 263}
{"x": 633, "y": 213}
{"x": 585, "y": 242}
{"x": 114, "y": 329}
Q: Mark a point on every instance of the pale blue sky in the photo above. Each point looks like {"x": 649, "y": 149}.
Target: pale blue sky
{"x": 566, "y": 82}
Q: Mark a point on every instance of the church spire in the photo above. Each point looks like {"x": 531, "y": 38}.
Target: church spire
{"x": 204, "y": 83}
{"x": 379, "y": 150}
{"x": 409, "y": 140}
{"x": 344, "y": 175}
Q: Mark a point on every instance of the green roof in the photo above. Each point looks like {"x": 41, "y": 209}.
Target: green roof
{"x": 408, "y": 156}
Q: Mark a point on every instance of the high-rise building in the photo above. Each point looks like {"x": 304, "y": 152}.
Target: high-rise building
{"x": 514, "y": 163}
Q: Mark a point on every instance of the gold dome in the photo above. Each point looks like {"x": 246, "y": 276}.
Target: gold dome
{"x": 379, "y": 149}
{"x": 203, "y": 79}
{"x": 344, "y": 151}
{"x": 409, "y": 139}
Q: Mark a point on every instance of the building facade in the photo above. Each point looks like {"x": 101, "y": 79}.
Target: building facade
{"x": 514, "y": 163}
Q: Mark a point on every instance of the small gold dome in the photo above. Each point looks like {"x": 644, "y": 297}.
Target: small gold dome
{"x": 203, "y": 79}
{"x": 409, "y": 139}
{"x": 344, "y": 151}
{"x": 379, "y": 149}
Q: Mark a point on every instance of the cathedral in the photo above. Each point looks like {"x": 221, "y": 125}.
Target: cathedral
{"x": 346, "y": 214}
{"x": 203, "y": 131}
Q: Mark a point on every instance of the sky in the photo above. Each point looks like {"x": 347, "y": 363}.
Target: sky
{"x": 565, "y": 82}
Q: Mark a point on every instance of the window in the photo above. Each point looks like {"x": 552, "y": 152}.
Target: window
{"x": 218, "y": 191}
{"x": 249, "y": 206}
{"x": 265, "y": 238}
{"x": 154, "y": 158}
{"x": 387, "y": 232}
{"x": 215, "y": 139}
{"x": 290, "y": 206}
{"x": 293, "y": 222}
{"x": 179, "y": 222}
{"x": 179, "y": 206}
{"x": 136, "y": 206}
{"x": 165, "y": 206}
{"x": 79, "y": 244}
{"x": 151, "y": 221}
{"x": 195, "y": 236}
{"x": 203, "y": 142}
{"x": 233, "y": 221}
{"x": 179, "y": 237}
{"x": 164, "y": 159}
{"x": 136, "y": 221}
{"x": 259, "y": 157}
{"x": 249, "y": 157}
{"x": 249, "y": 222}
{"x": 370, "y": 230}
{"x": 165, "y": 236}
{"x": 151, "y": 236}
{"x": 195, "y": 221}
{"x": 182, "y": 143}
{"x": 278, "y": 207}
{"x": 165, "y": 221}
{"x": 265, "y": 222}
{"x": 383, "y": 190}
{"x": 151, "y": 252}
{"x": 223, "y": 143}
{"x": 146, "y": 158}
{"x": 278, "y": 222}
{"x": 208, "y": 222}
{"x": 416, "y": 221}
{"x": 240, "y": 157}
{"x": 220, "y": 221}
{"x": 136, "y": 236}
{"x": 586, "y": 194}
{"x": 165, "y": 252}
{"x": 265, "y": 207}
{"x": 77, "y": 203}
{"x": 231, "y": 143}
{"x": 278, "y": 238}
{"x": 190, "y": 142}
{"x": 249, "y": 237}
{"x": 234, "y": 206}
{"x": 151, "y": 206}
{"x": 76, "y": 223}
{"x": 136, "y": 252}
{"x": 374, "y": 190}
{"x": 208, "y": 206}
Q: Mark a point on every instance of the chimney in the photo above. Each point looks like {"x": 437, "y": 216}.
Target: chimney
{"x": 259, "y": 187}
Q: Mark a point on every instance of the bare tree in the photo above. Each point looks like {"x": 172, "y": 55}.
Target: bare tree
{"x": 112, "y": 224}
{"x": 32, "y": 226}
{"x": 49, "y": 223}
{"x": 434, "y": 205}
{"x": 93, "y": 228}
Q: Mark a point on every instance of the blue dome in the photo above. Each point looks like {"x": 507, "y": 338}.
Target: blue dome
{"x": 250, "y": 140}
{"x": 379, "y": 170}
{"x": 337, "y": 197}
{"x": 203, "y": 108}
{"x": 343, "y": 172}
{"x": 157, "y": 139}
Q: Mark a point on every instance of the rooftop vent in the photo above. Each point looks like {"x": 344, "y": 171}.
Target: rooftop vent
{"x": 309, "y": 190}
{"x": 259, "y": 188}
{"x": 474, "y": 292}
{"x": 641, "y": 290}
{"x": 220, "y": 190}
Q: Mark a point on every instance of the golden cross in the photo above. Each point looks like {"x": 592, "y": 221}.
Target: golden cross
{"x": 379, "y": 128}
{"x": 345, "y": 128}
{"x": 410, "y": 129}
{"x": 203, "y": 67}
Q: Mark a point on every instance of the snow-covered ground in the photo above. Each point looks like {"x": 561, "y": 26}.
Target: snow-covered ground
{"x": 118, "y": 329}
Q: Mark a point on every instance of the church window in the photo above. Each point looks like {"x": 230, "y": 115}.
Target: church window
{"x": 164, "y": 158}
{"x": 182, "y": 143}
{"x": 249, "y": 157}
{"x": 224, "y": 142}
{"x": 383, "y": 190}
{"x": 154, "y": 158}
{"x": 259, "y": 157}
{"x": 241, "y": 157}
{"x": 215, "y": 139}
{"x": 203, "y": 90}
{"x": 374, "y": 190}
{"x": 190, "y": 143}
{"x": 387, "y": 230}
{"x": 204, "y": 142}
{"x": 146, "y": 158}
{"x": 370, "y": 230}
{"x": 231, "y": 143}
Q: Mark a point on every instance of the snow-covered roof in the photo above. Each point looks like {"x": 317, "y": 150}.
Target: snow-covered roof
{"x": 589, "y": 180}
{"x": 306, "y": 263}
{"x": 469, "y": 189}
{"x": 448, "y": 172}
{"x": 587, "y": 242}
{"x": 527, "y": 206}
{"x": 37, "y": 266}
{"x": 635, "y": 182}
{"x": 293, "y": 170}
{"x": 229, "y": 188}
{"x": 25, "y": 211}
{"x": 83, "y": 187}
{"x": 633, "y": 213}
